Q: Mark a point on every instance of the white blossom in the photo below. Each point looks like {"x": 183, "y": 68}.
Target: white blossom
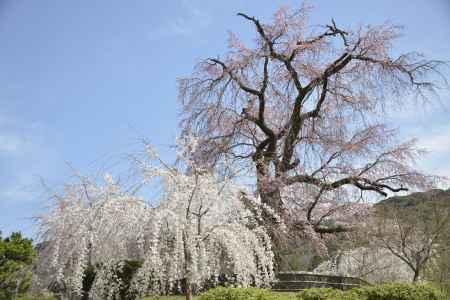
{"x": 199, "y": 230}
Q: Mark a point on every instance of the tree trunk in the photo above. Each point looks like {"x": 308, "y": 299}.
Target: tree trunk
{"x": 187, "y": 267}
{"x": 188, "y": 290}
{"x": 268, "y": 191}
{"x": 416, "y": 276}
{"x": 271, "y": 196}
{"x": 16, "y": 290}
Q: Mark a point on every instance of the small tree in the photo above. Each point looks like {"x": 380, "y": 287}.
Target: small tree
{"x": 403, "y": 239}
{"x": 413, "y": 234}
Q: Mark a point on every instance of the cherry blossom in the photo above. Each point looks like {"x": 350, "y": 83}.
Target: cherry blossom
{"x": 200, "y": 229}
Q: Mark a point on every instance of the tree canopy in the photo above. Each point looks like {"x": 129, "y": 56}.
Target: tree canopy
{"x": 301, "y": 109}
{"x": 16, "y": 256}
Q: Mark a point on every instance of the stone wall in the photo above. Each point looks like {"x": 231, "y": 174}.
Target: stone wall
{"x": 295, "y": 281}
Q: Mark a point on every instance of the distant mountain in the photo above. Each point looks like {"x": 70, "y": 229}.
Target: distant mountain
{"x": 437, "y": 196}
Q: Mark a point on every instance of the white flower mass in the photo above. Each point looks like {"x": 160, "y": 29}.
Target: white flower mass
{"x": 199, "y": 230}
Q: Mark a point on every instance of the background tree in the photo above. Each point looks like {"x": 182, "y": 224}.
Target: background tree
{"x": 302, "y": 110}
{"x": 438, "y": 270}
{"x": 16, "y": 256}
{"x": 405, "y": 238}
{"x": 416, "y": 234}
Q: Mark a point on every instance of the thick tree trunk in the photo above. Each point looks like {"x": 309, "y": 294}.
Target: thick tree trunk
{"x": 271, "y": 196}
{"x": 270, "y": 193}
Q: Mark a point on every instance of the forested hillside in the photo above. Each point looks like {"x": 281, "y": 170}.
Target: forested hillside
{"x": 437, "y": 196}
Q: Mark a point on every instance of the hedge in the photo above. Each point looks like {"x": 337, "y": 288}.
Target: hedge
{"x": 223, "y": 293}
{"x": 399, "y": 292}
{"x": 378, "y": 292}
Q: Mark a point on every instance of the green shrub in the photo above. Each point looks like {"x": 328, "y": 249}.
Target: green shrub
{"x": 398, "y": 292}
{"x": 378, "y": 292}
{"x": 283, "y": 296}
{"x": 320, "y": 294}
{"x": 222, "y": 293}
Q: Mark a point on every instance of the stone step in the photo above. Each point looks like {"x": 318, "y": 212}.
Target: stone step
{"x": 296, "y": 281}
{"x": 297, "y": 276}
{"x": 286, "y": 290}
{"x": 298, "y": 285}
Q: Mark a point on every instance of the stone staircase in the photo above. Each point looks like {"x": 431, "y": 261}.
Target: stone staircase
{"x": 296, "y": 281}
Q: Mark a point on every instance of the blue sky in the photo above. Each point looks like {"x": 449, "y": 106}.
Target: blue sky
{"x": 81, "y": 82}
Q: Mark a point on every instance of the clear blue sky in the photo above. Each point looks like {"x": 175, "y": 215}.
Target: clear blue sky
{"x": 81, "y": 82}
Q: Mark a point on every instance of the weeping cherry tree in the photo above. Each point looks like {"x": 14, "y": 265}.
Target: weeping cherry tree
{"x": 301, "y": 109}
{"x": 201, "y": 229}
